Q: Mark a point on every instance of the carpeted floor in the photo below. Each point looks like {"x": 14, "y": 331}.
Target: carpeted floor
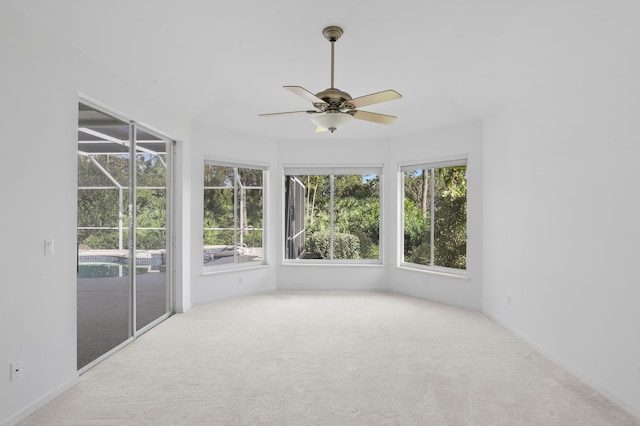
{"x": 329, "y": 358}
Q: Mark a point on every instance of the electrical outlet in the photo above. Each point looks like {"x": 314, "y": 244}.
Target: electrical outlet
{"x": 240, "y": 279}
{"x": 508, "y": 300}
{"x": 16, "y": 370}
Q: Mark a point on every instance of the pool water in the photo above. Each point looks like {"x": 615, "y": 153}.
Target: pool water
{"x": 107, "y": 270}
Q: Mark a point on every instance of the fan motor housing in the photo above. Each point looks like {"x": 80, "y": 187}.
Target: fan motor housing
{"x": 335, "y": 98}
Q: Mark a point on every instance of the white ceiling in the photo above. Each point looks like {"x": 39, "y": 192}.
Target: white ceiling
{"x": 223, "y": 63}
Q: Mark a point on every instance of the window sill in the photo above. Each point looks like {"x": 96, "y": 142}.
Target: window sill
{"x": 443, "y": 273}
{"x": 239, "y": 268}
{"x": 325, "y": 263}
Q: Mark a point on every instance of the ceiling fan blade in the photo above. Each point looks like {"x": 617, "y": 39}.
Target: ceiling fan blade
{"x": 374, "y": 98}
{"x": 301, "y": 91}
{"x": 273, "y": 114}
{"x": 374, "y": 116}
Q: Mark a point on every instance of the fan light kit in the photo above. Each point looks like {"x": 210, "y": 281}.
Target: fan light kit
{"x": 335, "y": 108}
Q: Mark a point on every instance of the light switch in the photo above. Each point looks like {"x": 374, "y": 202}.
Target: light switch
{"x": 48, "y": 247}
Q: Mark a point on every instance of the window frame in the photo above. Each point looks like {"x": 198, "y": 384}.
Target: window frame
{"x": 453, "y": 161}
{"x": 236, "y": 265}
{"x": 332, "y": 171}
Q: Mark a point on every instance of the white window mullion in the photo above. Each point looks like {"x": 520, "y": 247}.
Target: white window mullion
{"x": 331, "y": 214}
{"x": 432, "y": 206}
{"x": 240, "y": 225}
{"x": 132, "y": 229}
{"x": 235, "y": 215}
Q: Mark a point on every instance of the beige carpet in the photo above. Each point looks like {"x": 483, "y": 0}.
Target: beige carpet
{"x": 329, "y": 358}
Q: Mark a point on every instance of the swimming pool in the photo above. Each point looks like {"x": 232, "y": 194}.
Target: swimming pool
{"x": 107, "y": 270}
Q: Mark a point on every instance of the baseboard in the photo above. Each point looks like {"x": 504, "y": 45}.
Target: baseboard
{"x": 634, "y": 411}
{"x": 329, "y": 288}
{"x": 38, "y": 404}
{"x": 234, "y": 296}
{"x": 437, "y": 300}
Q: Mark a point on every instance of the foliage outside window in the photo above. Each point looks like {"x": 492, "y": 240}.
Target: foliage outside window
{"x": 435, "y": 215}
{"x": 332, "y": 214}
{"x": 233, "y": 215}
{"x": 103, "y": 201}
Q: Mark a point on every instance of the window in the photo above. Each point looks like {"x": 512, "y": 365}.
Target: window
{"x": 233, "y": 215}
{"x": 434, "y": 215}
{"x": 332, "y": 214}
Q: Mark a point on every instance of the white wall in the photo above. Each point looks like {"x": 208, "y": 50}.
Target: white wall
{"x": 39, "y": 85}
{"x": 215, "y": 143}
{"x": 465, "y": 139}
{"x": 561, "y": 190}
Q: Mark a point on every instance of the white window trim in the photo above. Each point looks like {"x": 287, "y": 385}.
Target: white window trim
{"x": 333, "y": 169}
{"x": 449, "y": 161}
{"x": 226, "y": 162}
{"x": 223, "y": 162}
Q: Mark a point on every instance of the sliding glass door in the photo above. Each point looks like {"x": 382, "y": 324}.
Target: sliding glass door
{"x": 123, "y": 252}
{"x": 151, "y": 238}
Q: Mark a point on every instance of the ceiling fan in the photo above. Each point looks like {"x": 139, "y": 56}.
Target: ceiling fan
{"x": 335, "y": 108}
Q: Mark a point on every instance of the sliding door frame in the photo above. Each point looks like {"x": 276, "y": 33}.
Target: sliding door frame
{"x": 170, "y": 152}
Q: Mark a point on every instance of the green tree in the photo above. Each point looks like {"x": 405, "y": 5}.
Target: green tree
{"x": 449, "y": 216}
{"x": 218, "y": 204}
{"x": 103, "y": 198}
{"x": 450, "y": 228}
{"x": 356, "y": 213}
{"x": 233, "y": 198}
